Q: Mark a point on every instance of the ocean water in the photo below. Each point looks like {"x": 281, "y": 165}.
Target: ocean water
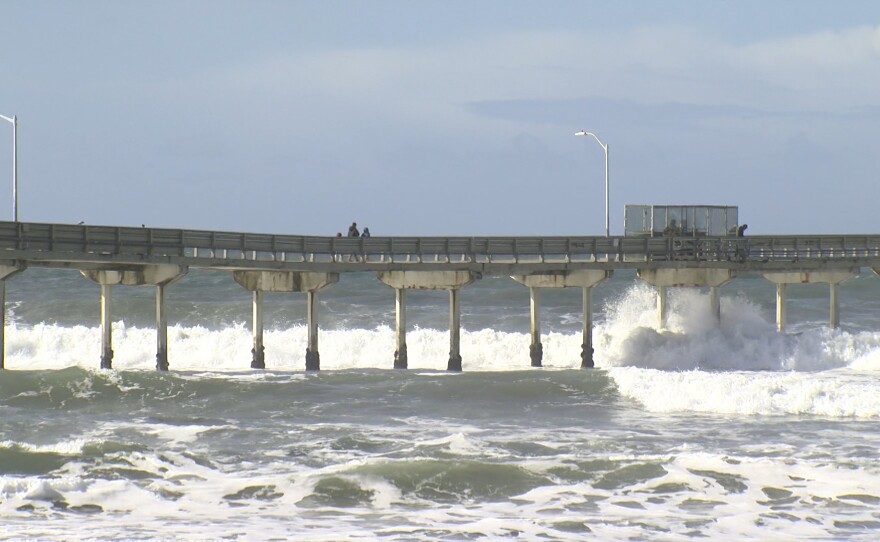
{"x": 693, "y": 431}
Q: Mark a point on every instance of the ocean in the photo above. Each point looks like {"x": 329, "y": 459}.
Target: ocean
{"x": 689, "y": 432}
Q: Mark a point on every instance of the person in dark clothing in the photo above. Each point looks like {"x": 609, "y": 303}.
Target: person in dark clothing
{"x": 741, "y": 231}
{"x": 353, "y": 232}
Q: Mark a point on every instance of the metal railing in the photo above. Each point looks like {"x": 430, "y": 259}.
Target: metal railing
{"x": 48, "y": 242}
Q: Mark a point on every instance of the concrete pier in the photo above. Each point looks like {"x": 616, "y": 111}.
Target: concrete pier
{"x": 158, "y": 275}
{"x": 581, "y": 278}
{"x": 428, "y": 280}
{"x": 309, "y": 283}
{"x": 832, "y": 277}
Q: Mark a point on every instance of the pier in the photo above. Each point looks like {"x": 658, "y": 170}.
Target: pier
{"x": 137, "y": 256}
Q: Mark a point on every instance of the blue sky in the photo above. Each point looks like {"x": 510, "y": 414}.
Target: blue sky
{"x": 440, "y": 118}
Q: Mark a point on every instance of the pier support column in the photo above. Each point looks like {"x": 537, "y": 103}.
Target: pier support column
{"x": 587, "y": 345}
{"x": 454, "y": 332}
{"x": 699, "y": 277}
{"x": 139, "y": 275}
{"x": 288, "y": 281}
{"x": 780, "y": 306}
{"x": 428, "y": 280}
{"x": 661, "y": 307}
{"x": 400, "y": 361}
{"x": 313, "y": 358}
{"x": 715, "y": 304}
{"x": 258, "y": 359}
{"x": 106, "y": 331}
{"x": 832, "y": 277}
{"x": 6, "y": 271}
{"x": 161, "y": 330}
{"x": 834, "y": 305}
{"x": 2, "y": 324}
{"x": 581, "y": 278}
{"x": 536, "y": 350}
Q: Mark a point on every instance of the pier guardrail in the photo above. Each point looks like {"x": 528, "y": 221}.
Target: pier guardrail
{"x": 45, "y": 243}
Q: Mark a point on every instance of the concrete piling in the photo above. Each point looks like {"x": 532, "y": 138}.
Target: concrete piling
{"x": 258, "y": 352}
{"x": 161, "y": 330}
{"x": 536, "y": 350}
{"x": 106, "y": 331}
{"x": 587, "y": 361}
{"x": 400, "y": 359}
{"x": 313, "y": 358}
{"x": 454, "y": 332}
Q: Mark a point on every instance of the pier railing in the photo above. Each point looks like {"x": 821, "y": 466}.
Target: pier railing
{"x": 86, "y": 243}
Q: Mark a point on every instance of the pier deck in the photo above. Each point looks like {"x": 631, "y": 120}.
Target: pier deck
{"x": 118, "y": 255}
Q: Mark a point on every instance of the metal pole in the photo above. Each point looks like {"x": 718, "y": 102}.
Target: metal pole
{"x": 605, "y": 149}
{"x": 14, "y": 121}
{"x": 607, "y": 229}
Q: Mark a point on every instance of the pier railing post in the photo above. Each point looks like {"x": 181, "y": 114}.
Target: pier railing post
{"x": 536, "y": 350}
{"x": 454, "y": 332}
{"x": 400, "y": 358}
{"x": 258, "y": 360}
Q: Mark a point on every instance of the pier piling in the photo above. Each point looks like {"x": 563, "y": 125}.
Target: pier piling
{"x": 536, "y": 350}
{"x": 587, "y": 361}
{"x": 454, "y": 332}
{"x": 715, "y": 304}
{"x": 106, "y": 331}
{"x": 161, "y": 330}
{"x": 834, "y": 305}
{"x": 661, "y": 307}
{"x": 313, "y": 358}
{"x": 400, "y": 360}
{"x": 258, "y": 361}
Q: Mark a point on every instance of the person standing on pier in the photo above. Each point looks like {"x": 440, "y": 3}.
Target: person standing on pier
{"x": 353, "y": 232}
{"x": 366, "y": 232}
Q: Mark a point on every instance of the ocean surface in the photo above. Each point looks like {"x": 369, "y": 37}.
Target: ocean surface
{"x": 691, "y": 432}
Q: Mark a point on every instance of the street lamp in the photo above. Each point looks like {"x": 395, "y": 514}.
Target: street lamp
{"x": 604, "y": 148}
{"x": 14, "y": 121}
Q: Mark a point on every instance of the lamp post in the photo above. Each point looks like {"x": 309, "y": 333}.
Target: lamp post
{"x": 604, "y": 148}
{"x": 14, "y": 121}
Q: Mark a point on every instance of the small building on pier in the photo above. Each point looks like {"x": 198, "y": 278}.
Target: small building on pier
{"x": 680, "y": 220}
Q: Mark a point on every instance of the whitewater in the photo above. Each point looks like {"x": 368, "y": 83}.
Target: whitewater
{"x": 695, "y": 430}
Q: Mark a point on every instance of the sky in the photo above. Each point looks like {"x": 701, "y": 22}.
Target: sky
{"x": 440, "y": 117}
